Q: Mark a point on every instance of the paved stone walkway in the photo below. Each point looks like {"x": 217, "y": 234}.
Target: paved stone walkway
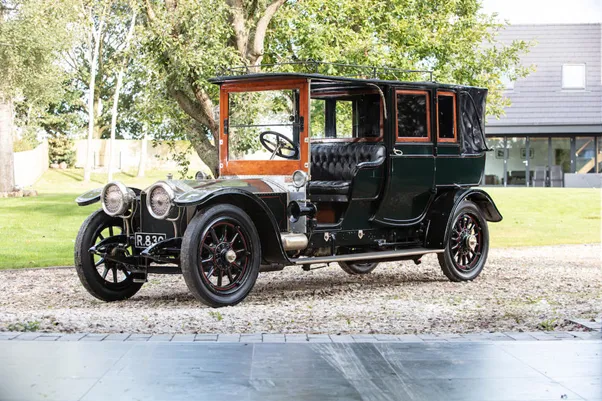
{"x": 361, "y": 371}
{"x": 312, "y": 338}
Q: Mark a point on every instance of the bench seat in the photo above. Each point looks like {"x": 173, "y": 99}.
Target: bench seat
{"x": 333, "y": 166}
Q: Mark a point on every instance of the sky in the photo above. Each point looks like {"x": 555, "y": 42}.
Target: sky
{"x": 546, "y": 11}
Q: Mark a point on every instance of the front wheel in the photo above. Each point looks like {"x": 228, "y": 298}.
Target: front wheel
{"x": 467, "y": 244}
{"x": 221, "y": 254}
{"x": 106, "y": 280}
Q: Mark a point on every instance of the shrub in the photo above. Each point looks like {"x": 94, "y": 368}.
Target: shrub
{"x": 61, "y": 149}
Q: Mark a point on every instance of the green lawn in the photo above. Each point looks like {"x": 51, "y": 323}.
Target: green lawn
{"x": 40, "y": 231}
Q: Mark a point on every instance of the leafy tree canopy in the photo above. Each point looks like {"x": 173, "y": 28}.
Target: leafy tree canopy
{"x": 190, "y": 40}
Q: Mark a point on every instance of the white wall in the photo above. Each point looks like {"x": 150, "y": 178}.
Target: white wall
{"x": 127, "y": 155}
{"x": 30, "y": 165}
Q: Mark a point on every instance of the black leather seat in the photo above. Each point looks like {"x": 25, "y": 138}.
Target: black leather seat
{"x": 333, "y": 166}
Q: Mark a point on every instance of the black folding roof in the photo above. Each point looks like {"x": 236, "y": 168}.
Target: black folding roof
{"x": 320, "y": 81}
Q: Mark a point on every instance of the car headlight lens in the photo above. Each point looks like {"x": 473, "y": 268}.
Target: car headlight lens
{"x": 299, "y": 178}
{"x": 159, "y": 200}
{"x": 116, "y": 198}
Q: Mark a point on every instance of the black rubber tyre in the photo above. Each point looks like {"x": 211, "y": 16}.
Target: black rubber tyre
{"x": 87, "y": 267}
{"x": 358, "y": 267}
{"x": 466, "y": 244}
{"x": 208, "y": 243}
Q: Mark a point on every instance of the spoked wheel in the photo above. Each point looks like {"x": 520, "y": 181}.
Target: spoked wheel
{"x": 358, "y": 267}
{"x": 221, "y": 254}
{"x": 467, "y": 244}
{"x": 106, "y": 280}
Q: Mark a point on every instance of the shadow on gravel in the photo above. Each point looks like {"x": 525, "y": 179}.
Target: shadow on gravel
{"x": 328, "y": 286}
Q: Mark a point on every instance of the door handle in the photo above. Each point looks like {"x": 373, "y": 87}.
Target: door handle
{"x": 397, "y": 152}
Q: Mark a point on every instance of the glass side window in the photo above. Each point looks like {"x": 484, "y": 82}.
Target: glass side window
{"x": 352, "y": 117}
{"x": 446, "y": 118}
{"x": 263, "y": 125}
{"x": 412, "y": 116}
{"x": 344, "y": 118}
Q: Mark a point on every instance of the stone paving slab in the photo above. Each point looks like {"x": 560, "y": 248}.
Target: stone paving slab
{"x": 595, "y": 324}
{"x": 117, "y": 337}
{"x": 312, "y": 338}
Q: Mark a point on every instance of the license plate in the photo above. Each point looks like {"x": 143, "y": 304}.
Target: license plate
{"x": 144, "y": 240}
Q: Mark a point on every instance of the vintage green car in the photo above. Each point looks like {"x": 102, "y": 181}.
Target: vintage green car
{"x": 313, "y": 169}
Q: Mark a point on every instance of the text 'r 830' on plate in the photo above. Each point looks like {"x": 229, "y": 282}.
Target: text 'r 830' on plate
{"x": 144, "y": 240}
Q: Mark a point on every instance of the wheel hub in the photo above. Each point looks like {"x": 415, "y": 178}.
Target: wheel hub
{"x": 225, "y": 254}
{"x": 470, "y": 241}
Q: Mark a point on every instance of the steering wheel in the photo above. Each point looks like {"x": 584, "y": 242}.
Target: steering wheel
{"x": 279, "y": 145}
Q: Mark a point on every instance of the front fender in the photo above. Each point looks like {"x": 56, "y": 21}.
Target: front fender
{"x": 444, "y": 206}
{"x": 258, "y": 211}
{"x": 93, "y": 196}
{"x": 89, "y": 197}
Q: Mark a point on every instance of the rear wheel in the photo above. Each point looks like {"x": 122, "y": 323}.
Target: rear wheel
{"x": 467, "y": 244}
{"x": 106, "y": 280}
{"x": 221, "y": 254}
{"x": 358, "y": 267}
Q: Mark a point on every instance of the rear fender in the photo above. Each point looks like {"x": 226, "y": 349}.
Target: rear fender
{"x": 264, "y": 220}
{"x": 445, "y": 205}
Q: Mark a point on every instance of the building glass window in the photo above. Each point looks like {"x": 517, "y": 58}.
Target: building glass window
{"x": 517, "y": 160}
{"x": 561, "y": 161}
{"x": 538, "y": 161}
{"x": 573, "y": 76}
{"x": 494, "y": 162}
{"x": 585, "y": 155}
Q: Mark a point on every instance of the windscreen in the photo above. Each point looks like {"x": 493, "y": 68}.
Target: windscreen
{"x": 263, "y": 125}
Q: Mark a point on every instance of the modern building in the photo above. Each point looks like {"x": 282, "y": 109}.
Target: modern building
{"x": 551, "y": 135}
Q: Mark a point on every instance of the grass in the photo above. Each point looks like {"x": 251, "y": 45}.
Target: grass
{"x": 40, "y": 231}
{"x": 546, "y": 216}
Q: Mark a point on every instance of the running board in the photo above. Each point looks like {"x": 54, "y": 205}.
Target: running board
{"x": 366, "y": 256}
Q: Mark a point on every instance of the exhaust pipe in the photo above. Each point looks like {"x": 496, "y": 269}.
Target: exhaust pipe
{"x": 294, "y": 242}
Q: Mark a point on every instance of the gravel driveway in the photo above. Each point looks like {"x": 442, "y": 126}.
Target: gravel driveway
{"x": 520, "y": 289}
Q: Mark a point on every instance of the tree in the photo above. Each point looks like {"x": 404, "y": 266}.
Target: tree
{"x": 191, "y": 39}
{"x": 120, "y": 73}
{"x": 27, "y": 64}
{"x": 95, "y": 31}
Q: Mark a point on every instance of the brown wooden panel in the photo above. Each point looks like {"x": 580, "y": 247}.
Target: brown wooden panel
{"x": 265, "y": 167}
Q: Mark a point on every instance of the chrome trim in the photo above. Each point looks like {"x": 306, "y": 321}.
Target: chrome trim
{"x": 303, "y": 176}
{"x": 127, "y": 197}
{"x": 294, "y": 242}
{"x": 172, "y": 196}
{"x": 366, "y": 256}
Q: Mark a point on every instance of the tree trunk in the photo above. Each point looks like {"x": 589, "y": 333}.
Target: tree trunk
{"x": 7, "y": 162}
{"x": 143, "y": 155}
{"x": 114, "y": 122}
{"x": 116, "y": 95}
{"x": 93, "y": 64}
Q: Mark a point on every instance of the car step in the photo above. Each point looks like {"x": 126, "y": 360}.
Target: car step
{"x": 366, "y": 256}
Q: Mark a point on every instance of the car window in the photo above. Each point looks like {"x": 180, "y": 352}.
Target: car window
{"x": 251, "y": 114}
{"x": 446, "y": 117}
{"x": 344, "y": 118}
{"x": 352, "y": 117}
{"x": 412, "y": 116}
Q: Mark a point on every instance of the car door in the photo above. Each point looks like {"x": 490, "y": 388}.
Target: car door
{"x": 411, "y": 172}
